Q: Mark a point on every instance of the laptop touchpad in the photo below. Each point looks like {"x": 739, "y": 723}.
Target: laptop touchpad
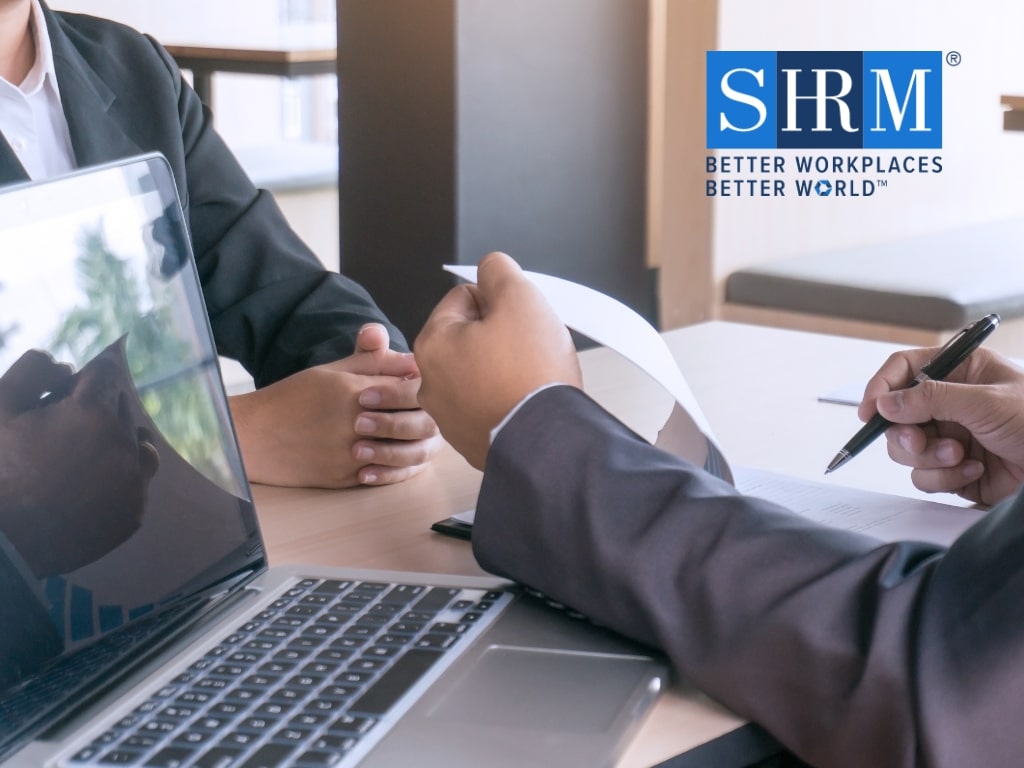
{"x": 543, "y": 690}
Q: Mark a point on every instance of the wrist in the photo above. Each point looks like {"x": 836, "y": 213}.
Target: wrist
{"x": 248, "y": 432}
{"x": 522, "y": 401}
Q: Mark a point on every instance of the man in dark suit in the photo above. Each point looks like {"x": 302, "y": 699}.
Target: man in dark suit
{"x": 334, "y": 405}
{"x": 852, "y": 652}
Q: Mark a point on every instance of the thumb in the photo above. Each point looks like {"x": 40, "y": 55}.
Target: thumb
{"x": 496, "y": 273}
{"x": 505, "y": 291}
{"x": 372, "y": 337}
{"x": 458, "y": 307}
{"x": 930, "y": 401}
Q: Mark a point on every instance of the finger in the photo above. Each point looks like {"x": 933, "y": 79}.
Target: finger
{"x": 30, "y": 377}
{"x": 460, "y": 305}
{"x": 934, "y": 401}
{"x": 377, "y": 475}
{"x": 896, "y": 373}
{"x": 947, "y": 480}
{"x": 401, "y": 365}
{"x": 372, "y": 337}
{"x": 396, "y": 453}
{"x": 386, "y": 363}
{"x": 397, "y": 395}
{"x": 506, "y": 290}
{"x": 467, "y": 303}
{"x": 397, "y": 425}
{"x": 906, "y": 441}
{"x": 496, "y": 272}
{"x": 912, "y": 447}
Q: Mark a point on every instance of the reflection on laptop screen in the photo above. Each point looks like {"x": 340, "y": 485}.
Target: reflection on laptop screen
{"x": 121, "y": 489}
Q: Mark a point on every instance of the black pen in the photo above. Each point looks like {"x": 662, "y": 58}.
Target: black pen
{"x": 938, "y": 368}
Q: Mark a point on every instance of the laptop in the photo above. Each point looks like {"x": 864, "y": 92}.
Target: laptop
{"x": 139, "y": 621}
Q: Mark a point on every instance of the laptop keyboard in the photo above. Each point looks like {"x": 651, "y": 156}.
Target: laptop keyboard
{"x": 311, "y": 681}
{"x": 90, "y": 667}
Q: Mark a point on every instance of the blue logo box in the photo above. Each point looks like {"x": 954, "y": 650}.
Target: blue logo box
{"x": 824, "y": 99}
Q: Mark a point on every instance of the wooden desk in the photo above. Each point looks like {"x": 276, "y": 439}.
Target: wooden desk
{"x": 203, "y": 61}
{"x": 758, "y": 387}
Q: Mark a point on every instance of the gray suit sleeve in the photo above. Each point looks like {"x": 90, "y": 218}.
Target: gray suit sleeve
{"x": 850, "y": 651}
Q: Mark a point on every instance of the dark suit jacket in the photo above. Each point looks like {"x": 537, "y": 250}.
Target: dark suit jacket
{"x": 272, "y": 305}
{"x": 850, "y": 651}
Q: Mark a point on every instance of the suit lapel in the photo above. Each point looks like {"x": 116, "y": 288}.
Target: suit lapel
{"x": 11, "y": 170}
{"x": 89, "y": 105}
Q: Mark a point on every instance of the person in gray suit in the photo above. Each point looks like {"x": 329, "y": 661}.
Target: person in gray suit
{"x": 335, "y": 403}
{"x": 850, "y": 651}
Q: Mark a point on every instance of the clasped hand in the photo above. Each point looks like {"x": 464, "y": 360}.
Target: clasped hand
{"x": 351, "y": 422}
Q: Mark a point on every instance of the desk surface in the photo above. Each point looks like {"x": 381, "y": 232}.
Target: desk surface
{"x": 214, "y": 57}
{"x": 277, "y": 58}
{"x": 273, "y": 59}
{"x": 758, "y": 388}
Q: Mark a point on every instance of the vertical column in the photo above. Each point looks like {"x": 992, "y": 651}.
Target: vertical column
{"x": 475, "y": 125}
{"x": 681, "y": 242}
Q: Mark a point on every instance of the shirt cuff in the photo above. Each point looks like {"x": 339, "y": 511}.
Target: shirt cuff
{"x": 520, "y": 404}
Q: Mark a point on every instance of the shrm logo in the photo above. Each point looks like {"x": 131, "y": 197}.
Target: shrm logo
{"x": 824, "y": 99}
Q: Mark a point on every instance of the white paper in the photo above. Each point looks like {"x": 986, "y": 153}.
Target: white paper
{"x": 884, "y": 516}
{"x": 611, "y": 323}
{"x": 851, "y": 394}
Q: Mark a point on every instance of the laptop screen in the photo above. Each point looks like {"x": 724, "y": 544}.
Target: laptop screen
{"x": 121, "y": 487}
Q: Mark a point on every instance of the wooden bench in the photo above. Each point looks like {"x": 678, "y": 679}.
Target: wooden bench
{"x": 912, "y": 291}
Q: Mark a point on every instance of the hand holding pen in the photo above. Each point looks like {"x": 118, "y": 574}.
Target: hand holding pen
{"x": 937, "y": 368}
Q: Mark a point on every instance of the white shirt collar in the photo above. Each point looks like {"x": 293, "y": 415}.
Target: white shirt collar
{"x": 43, "y": 70}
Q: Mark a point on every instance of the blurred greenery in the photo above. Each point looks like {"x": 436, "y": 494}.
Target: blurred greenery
{"x": 167, "y": 371}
